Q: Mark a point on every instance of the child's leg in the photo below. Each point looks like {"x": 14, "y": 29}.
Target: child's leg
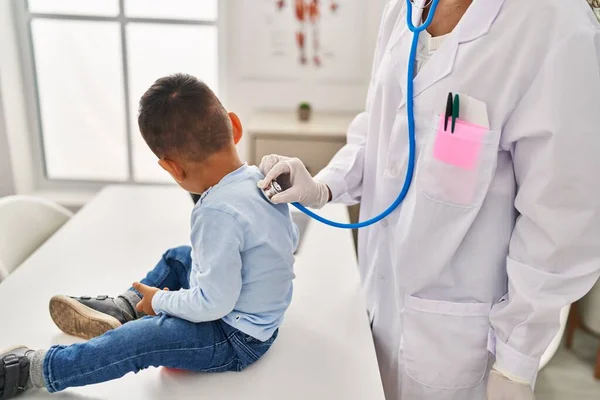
{"x": 151, "y": 341}
{"x": 172, "y": 271}
{"x": 89, "y": 317}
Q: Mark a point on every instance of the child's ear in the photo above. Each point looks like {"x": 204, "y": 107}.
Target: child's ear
{"x": 173, "y": 169}
{"x": 237, "y": 127}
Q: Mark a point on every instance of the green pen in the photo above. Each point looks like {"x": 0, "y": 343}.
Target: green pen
{"x": 455, "y": 111}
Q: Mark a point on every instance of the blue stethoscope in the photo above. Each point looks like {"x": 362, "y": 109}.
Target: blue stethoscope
{"x": 411, "y": 128}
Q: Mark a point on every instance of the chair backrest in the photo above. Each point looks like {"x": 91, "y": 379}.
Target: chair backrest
{"x": 25, "y": 223}
{"x": 589, "y": 309}
{"x": 555, "y": 344}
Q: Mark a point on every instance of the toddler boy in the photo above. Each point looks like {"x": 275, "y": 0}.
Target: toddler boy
{"x": 215, "y": 306}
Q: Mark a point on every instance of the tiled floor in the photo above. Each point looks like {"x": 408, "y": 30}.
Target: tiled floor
{"x": 569, "y": 375}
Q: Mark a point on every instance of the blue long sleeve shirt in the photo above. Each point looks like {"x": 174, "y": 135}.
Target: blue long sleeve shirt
{"x": 242, "y": 259}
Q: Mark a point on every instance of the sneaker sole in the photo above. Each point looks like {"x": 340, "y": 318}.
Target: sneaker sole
{"x": 74, "y": 318}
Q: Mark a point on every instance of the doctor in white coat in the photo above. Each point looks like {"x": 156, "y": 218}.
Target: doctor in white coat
{"x": 501, "y": 226}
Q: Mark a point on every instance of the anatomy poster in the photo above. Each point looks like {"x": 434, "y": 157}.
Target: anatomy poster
{"x": 303, "y": 39}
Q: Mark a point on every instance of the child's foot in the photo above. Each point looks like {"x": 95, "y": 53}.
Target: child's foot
{"x": 14, "y": 371}
{"x": 88, "y": 317}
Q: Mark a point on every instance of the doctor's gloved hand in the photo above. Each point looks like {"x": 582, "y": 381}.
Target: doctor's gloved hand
{"x": 500, "y": 387}
{"x": 301, "y": 188}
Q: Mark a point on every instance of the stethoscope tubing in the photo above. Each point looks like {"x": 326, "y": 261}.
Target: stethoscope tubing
{"x": 411, "y": 129}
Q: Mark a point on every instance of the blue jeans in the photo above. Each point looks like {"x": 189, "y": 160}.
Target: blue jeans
{"x": 154, "y": 341}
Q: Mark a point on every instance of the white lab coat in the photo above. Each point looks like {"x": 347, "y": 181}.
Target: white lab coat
{"x": 481, "y": 259}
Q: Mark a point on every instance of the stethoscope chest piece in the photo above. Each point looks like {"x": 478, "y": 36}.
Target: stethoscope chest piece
{"x": 271, "y": 190}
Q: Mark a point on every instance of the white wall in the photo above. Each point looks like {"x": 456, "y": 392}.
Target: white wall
{"x": 245, "y": 97}
{"x": 12, "y": 94}
{"x": 240, "y": 95}
{"x": 6, "y": 179}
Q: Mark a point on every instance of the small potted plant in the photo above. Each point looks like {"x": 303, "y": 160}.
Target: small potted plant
{"x": 304, "y": 111}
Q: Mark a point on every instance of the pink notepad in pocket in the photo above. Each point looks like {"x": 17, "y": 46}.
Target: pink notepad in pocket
{"x": 460, "y": 148}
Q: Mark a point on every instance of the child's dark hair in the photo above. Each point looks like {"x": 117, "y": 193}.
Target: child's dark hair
{"x": 180, "y": 116}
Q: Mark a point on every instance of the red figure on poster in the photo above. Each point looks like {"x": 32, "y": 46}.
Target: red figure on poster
{"x": 308, "y": 11}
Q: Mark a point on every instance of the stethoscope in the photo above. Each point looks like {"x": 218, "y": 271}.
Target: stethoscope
{"x": 411, "y": 129}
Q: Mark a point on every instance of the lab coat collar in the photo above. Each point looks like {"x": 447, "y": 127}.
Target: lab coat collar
{"x": 476, "y": 23}
{"x": 478, "y": 19}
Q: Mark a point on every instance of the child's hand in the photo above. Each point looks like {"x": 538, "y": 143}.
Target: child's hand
{"x": 145, "y": 305}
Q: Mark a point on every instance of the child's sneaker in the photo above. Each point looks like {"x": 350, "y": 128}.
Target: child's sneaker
{"x": 14, "y": 371}
{"x": 88, "y": 317}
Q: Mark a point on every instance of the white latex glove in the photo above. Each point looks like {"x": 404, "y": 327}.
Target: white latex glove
{"x": 302, "y": 187}
{"x": 500, "y": 387}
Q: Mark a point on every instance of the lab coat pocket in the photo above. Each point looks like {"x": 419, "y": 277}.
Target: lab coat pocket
{"x": 457, "y": 168}
{"x": 445, "y": 343}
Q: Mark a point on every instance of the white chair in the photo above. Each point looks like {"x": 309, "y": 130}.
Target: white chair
{"x": 555, "y": 344}
{"x": 25, "y": 223}
{"x": 586, "y": 316}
